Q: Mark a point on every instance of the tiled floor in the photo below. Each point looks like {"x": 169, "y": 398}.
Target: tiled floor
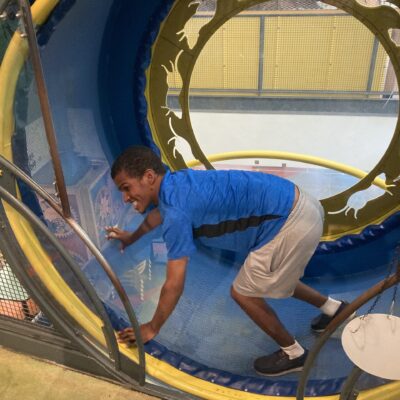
{"x": 26, "y": 378}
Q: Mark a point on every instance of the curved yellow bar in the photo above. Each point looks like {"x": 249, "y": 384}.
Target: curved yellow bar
{"x": 283, "y": 155}
{"x": 43, "y": 266}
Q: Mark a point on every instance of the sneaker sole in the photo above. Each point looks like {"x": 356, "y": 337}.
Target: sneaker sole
{"x": 281, "y": 373}
{"x": 352, "y": 316}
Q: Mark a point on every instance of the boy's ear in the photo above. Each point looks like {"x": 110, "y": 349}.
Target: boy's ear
{"x": 150, "y": 176}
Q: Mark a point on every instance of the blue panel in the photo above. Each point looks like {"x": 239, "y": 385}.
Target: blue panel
{"x": 130, "y": 31}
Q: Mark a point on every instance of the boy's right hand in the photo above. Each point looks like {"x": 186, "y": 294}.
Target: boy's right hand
{"x": 125, "y": 237}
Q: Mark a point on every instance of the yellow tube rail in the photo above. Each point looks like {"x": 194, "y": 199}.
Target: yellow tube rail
{"x": 283, "y": 155}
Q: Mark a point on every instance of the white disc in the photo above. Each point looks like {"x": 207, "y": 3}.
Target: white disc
{"x": 373, "y": 344}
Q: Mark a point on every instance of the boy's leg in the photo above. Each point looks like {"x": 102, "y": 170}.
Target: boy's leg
{"x": 309, "y": 295}
{"x": 265, "y": 317}
{"x": 329, "y": 307}
{"x": 291, "y": 357}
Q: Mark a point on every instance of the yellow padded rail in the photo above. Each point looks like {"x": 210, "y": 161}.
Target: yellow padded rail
{"x": 284, "y": 155}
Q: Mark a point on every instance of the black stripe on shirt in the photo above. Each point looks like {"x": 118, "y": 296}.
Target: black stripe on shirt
{"x": 230, "y": 226}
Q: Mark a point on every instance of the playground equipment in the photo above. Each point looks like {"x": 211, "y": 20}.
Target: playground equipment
{"x": 86, "y": 101}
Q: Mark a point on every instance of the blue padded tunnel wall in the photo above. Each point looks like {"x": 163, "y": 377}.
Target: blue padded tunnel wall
{"x": 96, "y": 48}
{"x": 129, "y": 32}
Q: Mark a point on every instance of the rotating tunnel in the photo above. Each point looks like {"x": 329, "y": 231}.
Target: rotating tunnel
{"x": 120, "y": 73}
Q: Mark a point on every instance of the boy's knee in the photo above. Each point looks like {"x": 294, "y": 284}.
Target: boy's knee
{"x": 235, "y": 295}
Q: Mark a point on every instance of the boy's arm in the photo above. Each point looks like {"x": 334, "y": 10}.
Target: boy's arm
{"x": 171, "y": 291}
{"x": 151, "y": 221}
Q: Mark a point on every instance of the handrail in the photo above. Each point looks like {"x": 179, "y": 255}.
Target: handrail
{"x": 284, "y": 155}
{"x": 45, "y": 106}
{"x": 64, "y": 211}
{"x": 3, "y": 5}
{"x": 336, "y": 322}
{"x": 347, "y": 389}
{"x": 107, "y": 329}
{"x": 91, "y": 246}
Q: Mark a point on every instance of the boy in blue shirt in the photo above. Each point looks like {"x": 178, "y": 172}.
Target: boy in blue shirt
{"x": 278, "y": 225}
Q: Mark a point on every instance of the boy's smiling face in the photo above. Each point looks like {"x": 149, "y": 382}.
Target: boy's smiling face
{"x": 140, "y": 192}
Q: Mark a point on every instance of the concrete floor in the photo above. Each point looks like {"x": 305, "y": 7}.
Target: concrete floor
{"x": 25, "y": 378}
{"x": 356, "y": 140}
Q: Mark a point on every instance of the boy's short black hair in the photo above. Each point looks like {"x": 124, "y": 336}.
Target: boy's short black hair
{"x": 135, "y": 161}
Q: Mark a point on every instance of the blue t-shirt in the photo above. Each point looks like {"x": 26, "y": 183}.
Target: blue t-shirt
{"x": 231, "y": 210}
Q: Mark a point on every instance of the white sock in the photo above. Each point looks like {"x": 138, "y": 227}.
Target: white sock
{"x": 294, "y": 351}
{"x": 330, "y": 306}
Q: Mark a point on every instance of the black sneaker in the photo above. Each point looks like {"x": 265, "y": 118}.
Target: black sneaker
{"x": 279, "y": 363}
{"x": 319, "y": 323}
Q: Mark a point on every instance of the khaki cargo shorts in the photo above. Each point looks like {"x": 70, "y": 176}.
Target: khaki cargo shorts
{"x": 274, "y": 270}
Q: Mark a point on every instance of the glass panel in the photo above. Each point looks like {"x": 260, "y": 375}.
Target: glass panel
{"x": 23, "y": 137}
{"x": 141, "y": 269}
{"x": 95, "y": 202}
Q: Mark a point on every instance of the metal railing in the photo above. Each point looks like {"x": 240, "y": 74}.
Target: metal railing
{"x": 369, "y": 294}
{"x": 63, "y": 209}
{"x": 264, "y": 17}
{"x": 45, "y": 106}
{"x": 90, "y": 245}
{"x": 33, "y": 219}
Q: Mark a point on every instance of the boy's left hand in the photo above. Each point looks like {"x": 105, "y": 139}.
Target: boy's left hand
{"x": 127, "y": 335}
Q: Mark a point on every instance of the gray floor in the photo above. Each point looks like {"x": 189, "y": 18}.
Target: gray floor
{"x": 23, "y": 377}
